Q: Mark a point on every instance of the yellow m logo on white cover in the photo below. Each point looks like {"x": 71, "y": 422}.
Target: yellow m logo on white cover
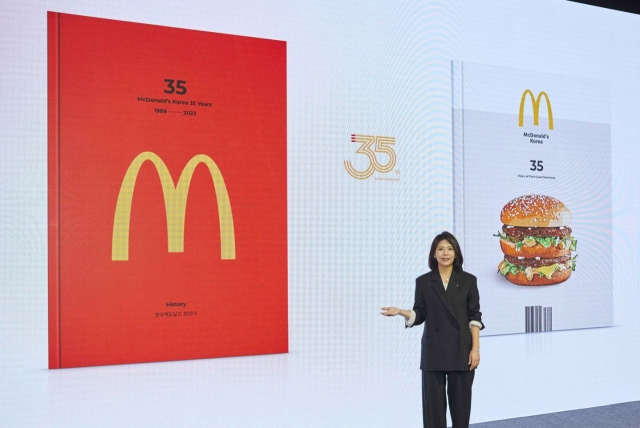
{"x": 175, "y": 201}
{"x": 536, "y": 108}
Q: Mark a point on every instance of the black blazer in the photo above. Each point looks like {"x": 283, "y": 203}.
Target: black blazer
{"x": 446, "y": 341}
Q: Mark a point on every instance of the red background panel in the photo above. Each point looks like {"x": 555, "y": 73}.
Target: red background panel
{"x": 107, "y": 309}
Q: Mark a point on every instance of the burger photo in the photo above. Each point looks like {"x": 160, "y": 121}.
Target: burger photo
{"x": 536, "y": 241}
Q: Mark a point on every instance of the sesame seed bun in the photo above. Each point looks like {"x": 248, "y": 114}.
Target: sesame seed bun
{"x": 535, "y": 211}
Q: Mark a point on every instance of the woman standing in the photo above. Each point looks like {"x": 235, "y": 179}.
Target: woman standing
{"x": 447, "y": 301}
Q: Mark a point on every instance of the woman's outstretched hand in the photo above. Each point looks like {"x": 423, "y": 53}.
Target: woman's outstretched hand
{"x": 390, "y": 311}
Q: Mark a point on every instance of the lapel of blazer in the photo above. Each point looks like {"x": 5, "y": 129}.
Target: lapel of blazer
{"x": 452, "y": 288}
{"x": 438, "y": 287}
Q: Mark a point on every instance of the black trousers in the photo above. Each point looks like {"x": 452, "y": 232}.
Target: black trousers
{"x": 434, "y": 399}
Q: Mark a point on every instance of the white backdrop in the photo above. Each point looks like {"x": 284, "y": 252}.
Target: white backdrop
{"x": 358, "y": 67}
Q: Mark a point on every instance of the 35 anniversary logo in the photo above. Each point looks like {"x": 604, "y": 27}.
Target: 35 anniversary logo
{"x": 371, "y": 146}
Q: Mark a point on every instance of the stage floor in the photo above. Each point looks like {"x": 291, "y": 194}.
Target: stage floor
{"x": 624, "y": 415}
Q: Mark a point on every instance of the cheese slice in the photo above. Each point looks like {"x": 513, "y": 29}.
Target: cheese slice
{"x": 547, "y": 271}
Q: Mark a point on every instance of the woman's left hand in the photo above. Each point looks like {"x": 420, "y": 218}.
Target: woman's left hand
{"x": 474, "y": 359}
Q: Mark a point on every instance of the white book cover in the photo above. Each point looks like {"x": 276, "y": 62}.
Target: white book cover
{"x": 532, "y": 196}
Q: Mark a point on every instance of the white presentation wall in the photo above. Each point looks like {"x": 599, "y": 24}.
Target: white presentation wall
{"x": 360, "y": 75}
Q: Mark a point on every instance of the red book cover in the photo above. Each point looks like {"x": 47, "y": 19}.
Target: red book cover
{"x": 167, "y": 193}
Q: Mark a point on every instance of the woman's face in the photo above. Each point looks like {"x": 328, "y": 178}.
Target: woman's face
{"x": 445, "y": 254}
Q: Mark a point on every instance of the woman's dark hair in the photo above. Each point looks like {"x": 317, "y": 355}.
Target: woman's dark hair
{"x": 446, "y": 236}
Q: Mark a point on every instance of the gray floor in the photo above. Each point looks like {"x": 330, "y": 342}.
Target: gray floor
{"x": 625, "y": 415}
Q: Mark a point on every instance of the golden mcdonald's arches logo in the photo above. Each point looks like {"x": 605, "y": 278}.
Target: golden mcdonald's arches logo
{"x": 536, "y": 108}
{"x": 175, "y": 201}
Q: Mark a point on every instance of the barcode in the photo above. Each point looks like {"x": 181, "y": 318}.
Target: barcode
{"x": 537, "y": 318}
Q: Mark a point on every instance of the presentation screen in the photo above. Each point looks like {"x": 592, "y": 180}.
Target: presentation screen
{"x": 204, "y": 205}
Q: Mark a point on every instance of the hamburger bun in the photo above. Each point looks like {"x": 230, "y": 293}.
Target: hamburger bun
{"x": 535, "y": 211}
{"x": 521, "y": 279}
